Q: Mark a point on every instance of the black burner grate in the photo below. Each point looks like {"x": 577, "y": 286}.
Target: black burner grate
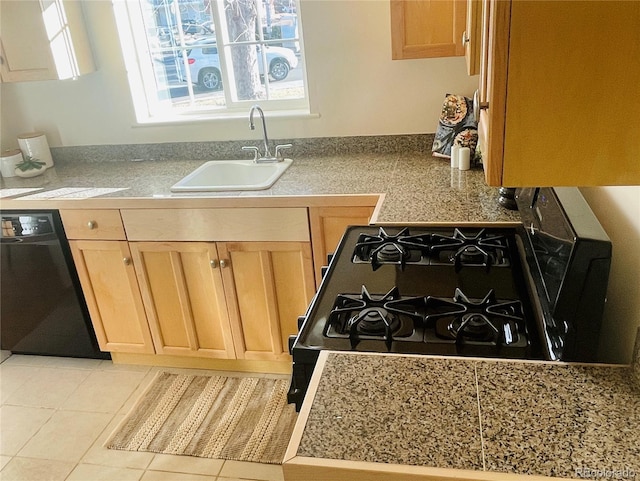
{"x": 380, "y": 317}
{"x": 485, "y": 321}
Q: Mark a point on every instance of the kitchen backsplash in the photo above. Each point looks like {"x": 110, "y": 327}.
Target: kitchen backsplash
{"x": 420, "y": 143}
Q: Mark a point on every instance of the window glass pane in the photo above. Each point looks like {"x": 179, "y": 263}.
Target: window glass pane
{"x": 186, "y": 66}
{"x": 263, "y": 49}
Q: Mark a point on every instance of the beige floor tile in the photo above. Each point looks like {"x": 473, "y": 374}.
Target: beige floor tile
{"x": 111, "y": 366}
{"x": 138, "y": 392}
{"x": 244, "y": 470}
{"x": 18, "y": 424}
{"x": 14, "y": 376}
{"x": 3, "y": 462}
{"x": 48, "y": 388}
{"x": 92, "y": 472}
{"x": 99, "y": 454}
{"x": 26, "y": 469}
{"x": 53, "y": 361}
{"x": 165, "y": 476}
{"x": 70, "y": 362}
{"x": 23, "y": 360}
{"x": 66, "y": 436}
{"x": 104, "y": 391}
{"x": 186, "y": 464}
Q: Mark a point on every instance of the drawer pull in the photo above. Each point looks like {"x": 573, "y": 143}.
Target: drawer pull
{"x": 127, "y": 261}
{"x": 92, "y": 224}
{"x": 214, "y": 263}
{"x": 224, "y": 263}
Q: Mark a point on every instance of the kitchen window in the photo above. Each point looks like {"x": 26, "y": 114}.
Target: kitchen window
{"x": 195, "y": 59}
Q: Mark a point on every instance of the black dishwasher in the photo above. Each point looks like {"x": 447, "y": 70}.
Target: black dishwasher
{"x": 42, "y": 309}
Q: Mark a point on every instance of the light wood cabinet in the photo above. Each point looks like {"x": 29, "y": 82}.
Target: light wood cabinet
{"x": 561, "y": 83}
{"x": 181, "y": 284}
{"x": 267, "y": 285}
{"x": 113, "y": 298}
{"x": 190, "y": 298}
{"x": 43, "y": 40}
{"x": 177, "y": 283}
{"x": 427, "y": 28}
{"x": 328, "y": 224}
{"x": 472, "y": 37}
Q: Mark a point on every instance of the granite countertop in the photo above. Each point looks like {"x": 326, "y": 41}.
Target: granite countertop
{"x": 522, "y": 417}
{"x": 418, "y": 186}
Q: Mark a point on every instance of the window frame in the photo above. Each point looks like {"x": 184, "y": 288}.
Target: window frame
{"x": 151, "y": 108}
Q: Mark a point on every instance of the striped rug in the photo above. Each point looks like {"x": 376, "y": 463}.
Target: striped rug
{"x": 242, "y": 419}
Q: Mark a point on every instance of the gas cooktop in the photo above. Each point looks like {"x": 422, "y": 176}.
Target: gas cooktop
{"x": 531, "y": 291}
{"x": 424, "y": 291}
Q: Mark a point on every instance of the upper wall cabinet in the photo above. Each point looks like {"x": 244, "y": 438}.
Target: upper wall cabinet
{"x": 427, "y": 28}
{"x": 559, "y": 85}
{"x": 43, "y": 40}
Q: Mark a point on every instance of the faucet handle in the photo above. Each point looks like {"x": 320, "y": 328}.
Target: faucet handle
{"x": 253, "y": 149}
{"x": 282, "y": 147}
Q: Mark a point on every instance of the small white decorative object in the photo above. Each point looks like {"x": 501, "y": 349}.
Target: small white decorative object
{"x": 8, "y": 162}
{"x": 464, "y": 158}
{"x": 455, "y": 156}
{"x": 35, "y": 145}
{"x": 30, "y": 167}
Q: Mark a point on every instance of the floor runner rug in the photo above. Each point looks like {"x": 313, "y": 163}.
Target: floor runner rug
{"x": 242, "y": 419}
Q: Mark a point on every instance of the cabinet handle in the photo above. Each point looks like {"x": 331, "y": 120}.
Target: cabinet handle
{"x": 92, "y": 224}
{"x": 465, "y": 38}
{"x": 224, "y": 263}
{"x": 214, "y": 263}
{"x": 127, "y": 261}
{"x": 478, "y": 106}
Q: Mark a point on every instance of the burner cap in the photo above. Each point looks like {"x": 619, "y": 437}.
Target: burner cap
{"x": 390, "y": 252}
{"x": 472, "y": 254}
{"x": 374, "y": 320}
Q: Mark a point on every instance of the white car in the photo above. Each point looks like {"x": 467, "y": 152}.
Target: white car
{"x": 204, "y": 65}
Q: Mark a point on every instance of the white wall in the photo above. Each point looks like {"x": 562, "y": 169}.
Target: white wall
{"x": 354, "y": 85}
{"x": 618, "y": 210}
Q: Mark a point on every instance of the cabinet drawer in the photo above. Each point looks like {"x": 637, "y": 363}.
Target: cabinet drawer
{"x": 221, "y": 224}
{"x": 93, "y": 224}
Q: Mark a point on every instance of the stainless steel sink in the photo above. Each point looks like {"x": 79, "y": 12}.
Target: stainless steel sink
{"x": 220, "y": 175}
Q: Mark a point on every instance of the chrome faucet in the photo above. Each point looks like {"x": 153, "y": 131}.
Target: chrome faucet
{"x": 266, "y": 156}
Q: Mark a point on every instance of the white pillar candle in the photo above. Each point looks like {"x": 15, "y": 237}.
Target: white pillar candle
{"x": 464, "y": 158}
{"x": 455, "y": 154}
{"x": 34, "y": 144}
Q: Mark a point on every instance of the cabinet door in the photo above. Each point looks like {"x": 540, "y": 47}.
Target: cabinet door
{"x": 183, "y": 294}
{"x": 427, "y": 28}
{"x": 43, "y": 40}
{"x": 472, "y": 38}
{"x": 327, "y": 227}
{"x": 267, "y": 285}
{"x": 112, "y": 294}
{"x": 560, "y": 77}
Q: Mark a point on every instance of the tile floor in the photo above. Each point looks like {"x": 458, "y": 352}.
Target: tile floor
{"x": 56, "y": 413}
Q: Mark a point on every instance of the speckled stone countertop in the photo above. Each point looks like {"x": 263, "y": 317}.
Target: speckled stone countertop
{"x": 529, "y": 418}
{"x": 418, "y": 186}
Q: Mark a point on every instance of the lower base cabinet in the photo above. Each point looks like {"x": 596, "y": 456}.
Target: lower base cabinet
{"x": 225, "y": 300}
{"x": 113, "y": 298}
{"x": 183, "y": 294}
{"x": 268, "y": 285}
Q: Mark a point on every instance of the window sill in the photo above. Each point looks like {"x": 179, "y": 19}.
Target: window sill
{"x": 202, "y": 118}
